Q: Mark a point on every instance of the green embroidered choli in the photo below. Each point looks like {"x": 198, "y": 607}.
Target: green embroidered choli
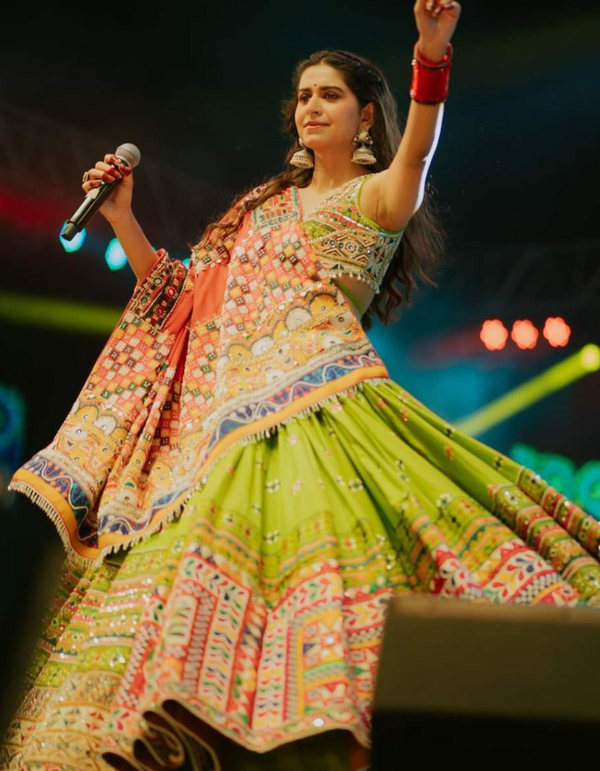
{"x": 346, "y": 241}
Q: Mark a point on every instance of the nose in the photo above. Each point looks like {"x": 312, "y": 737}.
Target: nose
{"x": 313, "y": 104}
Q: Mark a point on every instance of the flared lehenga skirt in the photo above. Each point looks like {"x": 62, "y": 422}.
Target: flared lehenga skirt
{"x": 259, "y": 611}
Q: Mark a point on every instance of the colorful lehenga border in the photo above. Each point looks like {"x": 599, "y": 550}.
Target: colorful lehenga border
{"x": 54, "y": 504}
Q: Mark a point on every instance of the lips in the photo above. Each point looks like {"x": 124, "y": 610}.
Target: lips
{"x": 313, "y": 123}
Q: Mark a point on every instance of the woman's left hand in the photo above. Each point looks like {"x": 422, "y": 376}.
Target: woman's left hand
{"x": 436, "y": 22}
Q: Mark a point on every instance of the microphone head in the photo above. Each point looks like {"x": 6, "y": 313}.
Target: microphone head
{"x": 129, "y": 154}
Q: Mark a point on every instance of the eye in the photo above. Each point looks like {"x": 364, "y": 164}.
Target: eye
{"x": 304, "y": 97}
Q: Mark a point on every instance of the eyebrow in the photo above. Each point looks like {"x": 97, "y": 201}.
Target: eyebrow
{"x": 323, "y": 88}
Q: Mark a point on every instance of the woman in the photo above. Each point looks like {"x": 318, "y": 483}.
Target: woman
{"x": 240, "y": 487}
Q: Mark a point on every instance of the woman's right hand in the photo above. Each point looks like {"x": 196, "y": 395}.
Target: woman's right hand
{"x": 118, "y": 204}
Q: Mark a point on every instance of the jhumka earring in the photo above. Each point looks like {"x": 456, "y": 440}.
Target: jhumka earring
{"x": 302, "y": 158}
{"x": 363, "y": 154}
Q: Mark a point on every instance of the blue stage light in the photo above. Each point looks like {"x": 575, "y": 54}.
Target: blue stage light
{"x": 588, "y": 478}
{"x": 75, "y": 243}
{"x": 115, "y": 256}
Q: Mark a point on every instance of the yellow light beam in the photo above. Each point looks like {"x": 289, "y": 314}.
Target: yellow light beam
{"x": 586, "y": 360}
{"x": 84, "y": 318}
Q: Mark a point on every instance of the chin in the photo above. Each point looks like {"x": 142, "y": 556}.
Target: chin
{"x": 315, "y": 144}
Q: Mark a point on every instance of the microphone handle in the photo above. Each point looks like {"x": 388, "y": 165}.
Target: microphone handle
{"x": 90, "y": 205}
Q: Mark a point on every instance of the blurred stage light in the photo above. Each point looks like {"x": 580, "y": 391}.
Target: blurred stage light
{"x": 557, "y": 332}
{"x": 75, "y": 244}
{"x": 560, "y": 375}
{"x": 590, "y": 357}
{"x": 493, "y": 334}
{"x": 115, "y": 256}
{"x": 588, "y": 481}
{"x": 12, "y": 438}
{"x": 525, "y": 334}
{"x": 42, "y": 312}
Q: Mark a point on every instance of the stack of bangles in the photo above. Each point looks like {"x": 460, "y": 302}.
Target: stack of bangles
{"x": 430, "y": 79}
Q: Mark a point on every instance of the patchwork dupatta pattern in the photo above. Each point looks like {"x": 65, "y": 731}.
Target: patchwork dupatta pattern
{"x": 200, "y": 359}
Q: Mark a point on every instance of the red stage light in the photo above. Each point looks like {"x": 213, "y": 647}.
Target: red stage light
{"x": 493, "y": 334}
{"x": 26, "y": 211}
{"x": 525, "y": 334}
{"x": 557, "y": 332}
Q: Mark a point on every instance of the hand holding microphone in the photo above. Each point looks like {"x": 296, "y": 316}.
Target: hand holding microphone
{"x": 108, "y": 187}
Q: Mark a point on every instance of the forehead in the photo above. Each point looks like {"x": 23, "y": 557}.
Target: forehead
{"x": 321, "y": 75}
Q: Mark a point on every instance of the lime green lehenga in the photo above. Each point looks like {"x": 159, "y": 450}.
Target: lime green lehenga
{"x": 259, "y": 611}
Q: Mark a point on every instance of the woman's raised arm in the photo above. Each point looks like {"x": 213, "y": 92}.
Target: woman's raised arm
{"x": 399, "y": 190}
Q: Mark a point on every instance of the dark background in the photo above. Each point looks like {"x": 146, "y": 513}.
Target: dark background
{"x": 199, "y": 88}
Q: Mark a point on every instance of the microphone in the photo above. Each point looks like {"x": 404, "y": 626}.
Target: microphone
{"x": 128, "y": 155}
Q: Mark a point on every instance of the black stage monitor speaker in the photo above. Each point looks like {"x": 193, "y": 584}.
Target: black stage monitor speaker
{"x": 482, "y": 685}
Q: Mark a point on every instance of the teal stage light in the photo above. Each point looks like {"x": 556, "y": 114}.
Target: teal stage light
{"x": 588, "y": 482}
{"x": 115, "y": 256}
{"x": 75, "y": 243}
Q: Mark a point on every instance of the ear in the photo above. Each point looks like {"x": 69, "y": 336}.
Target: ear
{"x": 367, "y": 116}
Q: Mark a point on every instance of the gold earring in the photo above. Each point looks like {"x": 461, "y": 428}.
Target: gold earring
{"x": 363, "y": 154}
{"x": 302, "y": 158}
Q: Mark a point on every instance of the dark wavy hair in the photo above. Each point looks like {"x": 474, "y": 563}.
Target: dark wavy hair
{"x": 423, "y": 241}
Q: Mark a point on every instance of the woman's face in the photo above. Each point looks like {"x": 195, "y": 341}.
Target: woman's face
{"x": 325, "y": 100}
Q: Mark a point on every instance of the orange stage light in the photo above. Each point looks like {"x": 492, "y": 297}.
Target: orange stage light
{"x": 525, "y": 334}
{"x": 557, "y": 332}
{"x": 493, "y": 334}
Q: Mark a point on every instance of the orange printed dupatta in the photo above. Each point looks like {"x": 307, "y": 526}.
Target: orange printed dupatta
{"x": 248, "y": 337}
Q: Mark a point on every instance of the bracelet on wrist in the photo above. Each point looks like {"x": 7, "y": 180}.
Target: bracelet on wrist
{"x": 430, "y": 79}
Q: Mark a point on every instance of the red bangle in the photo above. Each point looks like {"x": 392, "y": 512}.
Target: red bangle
{"x": 430, "y": 79}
